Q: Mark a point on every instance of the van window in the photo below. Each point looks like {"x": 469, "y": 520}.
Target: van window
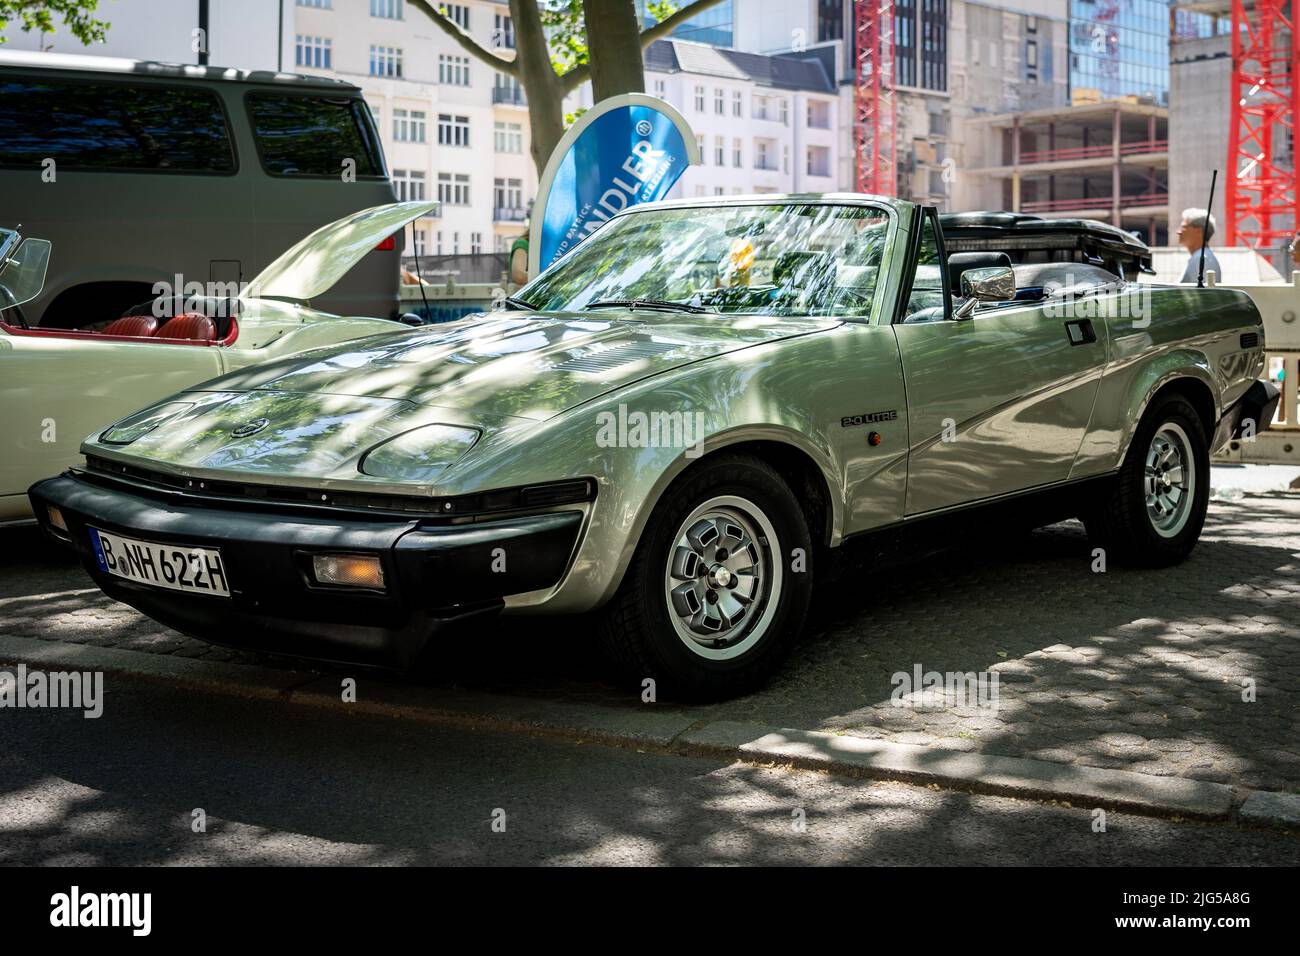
{"x": 312, "y": 135}
{"x": 111, "y": 126}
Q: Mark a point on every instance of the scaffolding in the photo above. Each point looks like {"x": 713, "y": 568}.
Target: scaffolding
{"x": 1262, "y": 201}
{"x": 876, "y": 118}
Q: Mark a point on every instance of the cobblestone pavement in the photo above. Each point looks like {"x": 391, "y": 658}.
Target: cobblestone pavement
{"x": 1133, "y": 669}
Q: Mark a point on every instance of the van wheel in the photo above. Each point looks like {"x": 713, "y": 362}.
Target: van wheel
{"x": 719, "y": 586}
{"x": 1154, "y": 513}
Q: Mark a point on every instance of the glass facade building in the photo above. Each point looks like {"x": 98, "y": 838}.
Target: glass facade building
{"x": 1120, "y": 48}
{"x": 714, "y": 26}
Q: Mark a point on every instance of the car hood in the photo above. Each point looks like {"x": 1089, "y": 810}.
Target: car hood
{"x": 312, "y": 266}
{"x": 516, "y": 364}
{"x": 316, "y": 415}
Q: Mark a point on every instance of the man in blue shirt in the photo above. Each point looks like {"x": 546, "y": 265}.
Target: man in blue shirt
{"x": 1197, "y": 229}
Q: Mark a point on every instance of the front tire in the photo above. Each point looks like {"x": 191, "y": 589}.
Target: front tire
{"x": 1154, "y": 514}
{"x": 720, "y": 583}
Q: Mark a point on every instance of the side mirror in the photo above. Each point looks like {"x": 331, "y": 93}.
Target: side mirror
{"x": 994, "y": 284}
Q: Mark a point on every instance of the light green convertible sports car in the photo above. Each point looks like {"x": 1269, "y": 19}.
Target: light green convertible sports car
{"x": 58, "y": 384}
{"x": 682, "y": 422}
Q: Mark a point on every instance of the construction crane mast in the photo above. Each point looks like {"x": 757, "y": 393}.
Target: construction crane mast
{"x": 876, "y": 116}
{"x": 1262, "y": 201}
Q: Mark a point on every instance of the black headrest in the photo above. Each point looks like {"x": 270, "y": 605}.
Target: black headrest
{"x": 959, "y": 262}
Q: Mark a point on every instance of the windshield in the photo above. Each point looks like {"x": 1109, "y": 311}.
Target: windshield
{"x": 22, "y": 272}
{"x": 781, "y": 260}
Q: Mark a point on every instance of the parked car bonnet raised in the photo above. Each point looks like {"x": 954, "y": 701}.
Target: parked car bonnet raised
{"x": 312, "y": 266}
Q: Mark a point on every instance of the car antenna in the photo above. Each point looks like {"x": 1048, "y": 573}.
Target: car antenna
{"x": 1205, "y": 233}
{"x": 415, "y": 254}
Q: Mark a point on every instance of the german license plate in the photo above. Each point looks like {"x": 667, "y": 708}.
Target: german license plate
{"x": 173, "y": 566}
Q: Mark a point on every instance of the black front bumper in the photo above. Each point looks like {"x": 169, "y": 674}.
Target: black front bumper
{"x": 434, "y": 574}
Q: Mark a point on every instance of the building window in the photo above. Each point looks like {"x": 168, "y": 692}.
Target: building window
{"x": 763, "y": 154}
{"x": 699, "y": 99}
{"x": 783, "y": 110}
{"x": 1031, "y": 55}
{"x": 737, "y": 103}
{"x": 409, "y": 126}
{"x": 318, "y": 4}
{"x": 508, "y": 137}
{"x": 661, "y": 88}
{"x": 503, "y": 32}
{"x": 453, "y": 70}
{"x": 313, "y": 52}
{"x": 475, "y": 243}
{"x": 719, "y": 102}
{"x": 458, "y": 13}
{"x": 735, "y": 152}
{"x": 704, "y": 156}
{"x": 719, "y": 191}
{"x": 421, "y": 241}
{"x": 719, "y": 152}
{"x": 409, "y": 185}
{"x": 385, "y": 61}
{"x": 388, "y": 9}
{"x": 453, "y": 189}
{"x": 819, "y": 161}
{"x": 819, "y": 114}
{"x": 453, "y": 130}
{"x": 508, "y": 200}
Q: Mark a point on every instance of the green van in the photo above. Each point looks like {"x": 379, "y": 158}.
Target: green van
{"x": 147, "y": 176}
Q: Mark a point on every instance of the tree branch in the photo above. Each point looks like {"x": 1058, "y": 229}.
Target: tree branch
{"x": 573, "y": 79}
{"x": 669, "y": 24}
{"x": 464, "y": 40}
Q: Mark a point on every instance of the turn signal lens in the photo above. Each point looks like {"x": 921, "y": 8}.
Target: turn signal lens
{"x": 349, "y": 570}
{"x": 56, "y": 517}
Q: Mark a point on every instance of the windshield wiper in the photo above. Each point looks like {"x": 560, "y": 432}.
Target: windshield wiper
{"x": 646, "y": 304}
{"x": 518, "y": 304}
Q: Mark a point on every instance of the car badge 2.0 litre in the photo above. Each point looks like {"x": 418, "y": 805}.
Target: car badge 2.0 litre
{"x": 250, "y": 428}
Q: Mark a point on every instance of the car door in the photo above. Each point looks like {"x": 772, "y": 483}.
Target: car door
{"x": 997, "y": 403}
{"x": 58, "y": 388}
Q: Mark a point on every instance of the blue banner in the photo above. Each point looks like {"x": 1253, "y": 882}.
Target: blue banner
{"x": 624, "y": 151}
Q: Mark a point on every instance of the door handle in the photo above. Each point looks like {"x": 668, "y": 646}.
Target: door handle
{"x": 1080, "y": 332}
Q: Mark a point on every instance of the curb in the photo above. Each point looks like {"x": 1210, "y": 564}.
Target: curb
{"x": 671, "y": 729}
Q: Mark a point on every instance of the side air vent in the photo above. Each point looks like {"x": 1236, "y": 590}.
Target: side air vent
{"x": 1249, "y": 340}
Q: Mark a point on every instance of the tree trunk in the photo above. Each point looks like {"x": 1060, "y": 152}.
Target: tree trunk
{"x": 615, "y": 53}
{"x": 543, "y": 88}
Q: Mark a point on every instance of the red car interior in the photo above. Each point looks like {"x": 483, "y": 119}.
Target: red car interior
{"x": 192, "y": 326}
{"x": 135, "y": 325}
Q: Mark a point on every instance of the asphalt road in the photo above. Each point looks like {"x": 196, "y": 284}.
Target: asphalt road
{"x": 288, "y": 784}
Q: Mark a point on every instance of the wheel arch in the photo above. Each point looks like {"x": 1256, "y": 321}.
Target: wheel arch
{"x": 804, "y": 467}
{"x": 1184, "y": 373}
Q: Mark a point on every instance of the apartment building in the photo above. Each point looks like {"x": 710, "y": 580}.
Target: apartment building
{"x": 453, "y": 129}
{"x": 763, "y": 124}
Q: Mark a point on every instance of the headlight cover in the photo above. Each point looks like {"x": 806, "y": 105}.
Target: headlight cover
{"x": 419, "y": 455}
{"x": 142, "y": 423}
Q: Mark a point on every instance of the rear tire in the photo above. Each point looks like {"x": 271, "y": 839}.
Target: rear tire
{"x": 1154, "y": 513}
{"x": 719, "y": 586}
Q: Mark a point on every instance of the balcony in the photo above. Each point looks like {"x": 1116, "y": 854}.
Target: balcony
{"x": 1077, "y": 153}
{"x": 508, "y": 96}
{"x": 509, "y": 214}
{"x": 1129, "y": 201}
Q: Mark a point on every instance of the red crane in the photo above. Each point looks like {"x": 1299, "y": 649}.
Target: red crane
{"x": 876, "y": 113}
{"x": 1262, "y": 201}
